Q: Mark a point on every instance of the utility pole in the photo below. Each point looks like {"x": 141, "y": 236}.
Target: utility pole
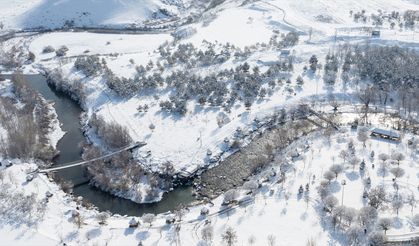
{"x": 343, "y": 183}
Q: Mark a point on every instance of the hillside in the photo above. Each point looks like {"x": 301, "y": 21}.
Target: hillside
{"x": 113, "y": 13}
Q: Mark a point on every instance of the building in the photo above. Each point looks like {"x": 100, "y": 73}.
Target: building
{"x": 375, "y": 34}
{"x": 385, "y": 134}
{"x": 285, "y": 53}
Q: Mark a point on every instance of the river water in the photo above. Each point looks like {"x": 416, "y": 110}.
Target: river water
{"x": 70, "y": 150}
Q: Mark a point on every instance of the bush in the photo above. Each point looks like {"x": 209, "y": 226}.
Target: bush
{"x": 114, "y": 135}
{"x": 89, "y": 65}
{"x": 415, "y": 220}
{"x": 62, "y": 51}
{"x": 48, "y": 49}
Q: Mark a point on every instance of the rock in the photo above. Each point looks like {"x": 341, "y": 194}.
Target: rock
{"x": 29, "y": 177}
{"x": 48, "y": 194}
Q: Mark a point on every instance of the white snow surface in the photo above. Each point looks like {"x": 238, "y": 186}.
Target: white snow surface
{"x": 184, "y": 141}
{"x": 19, "y": 14}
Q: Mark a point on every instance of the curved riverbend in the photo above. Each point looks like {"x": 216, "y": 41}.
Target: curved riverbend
{"x": 68, "y": 113}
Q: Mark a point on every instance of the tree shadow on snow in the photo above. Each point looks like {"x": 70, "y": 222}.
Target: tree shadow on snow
{"x": 129, "y": 231}
{"x": 143, "y": 235}
{"x": 335, "y": 187}
{"x": 94, "y": 233}
{"x": 352, "y": 175}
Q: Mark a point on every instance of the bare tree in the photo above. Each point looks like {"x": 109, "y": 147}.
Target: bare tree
{"x": 415, "y": 220}
{"x": 355, "y": 234}
{"x": 311, "y": 242}
{"x": 363, "y": 135}
{"x": 354, "y": 160}
{"x": 397, "y": 156}
{"x": 230, "y": 196}
{"x": 207, "y": 234}
{"x": 251, "y": 186}
{"x": 344, "y": 155}
{"x": 366, "y": 96}
{"x": 78, "y": 220}
{"x": 397, "y": 172}
{"x": 148, "y": 218}
{"x": 383, "y": 157}
{"x": 180, "y": 212}
{"x": 329, "y": 175}
{"x": 397, "y": 203}
{"x": 229, "y": 237}
{"x": 376, "y": 239}
{"x": 252, "y": 239}
{"x": 330, "y": 202}
{"x": 102, "y": 217}
{"x": 367, "y": 215}
{"x": 411, "y": 200}
{"x": 377, "y": 196}
{"x": 384, "y": 224}
{"x": 336, "y": 169}
{"x": 271, "y": 240}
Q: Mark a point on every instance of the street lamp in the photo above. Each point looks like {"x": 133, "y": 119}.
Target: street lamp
{"x": 343, "y": 183}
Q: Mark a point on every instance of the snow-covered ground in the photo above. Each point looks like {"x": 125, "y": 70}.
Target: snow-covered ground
{"x": 276, "y": 209}
{"x": 184, "y": 141}
{"x": 22, "y": 14}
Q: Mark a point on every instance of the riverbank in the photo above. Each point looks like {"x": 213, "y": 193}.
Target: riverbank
{"x": 250, "y": 160}
{"x": 68, "y": 113}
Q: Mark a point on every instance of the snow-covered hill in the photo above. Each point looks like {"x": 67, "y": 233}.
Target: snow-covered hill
{"x": 53, "y": 13}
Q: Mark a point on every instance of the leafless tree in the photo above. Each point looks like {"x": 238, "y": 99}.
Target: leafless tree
{"x": 411, "y": 200}
{"x": 251, "y": 186}
{"x": 229, "y": 237}
{"x": 252, "y": 238}
{"x": 367, "y": 215}
{"x": 376, "y": 239}
{"x": 102, "y": 217}
{"x": 336, "y": 169}
{"x": 363, "y": 135}
{"x": 384, "y": 224}
{"x": 330, "y": 202}
{"x": 207, "y": 234}
{"x": 415, "y": 220}
{"x": 271, "y": 240}
{"x": 397, "y": 172}
{"x": 367, "y": 97}
{"x": 377, "y": 196}
{"x": 78, "y": 220}
{"x": 311, "y": 242}
{"x": 397, "y": 203}
{"x": 329, "y": 175}
{"x": 344, "y": 155}
{"x": 397, "y": 156}
{"x": 355, "y": 234}
{"x": 230, "y": 196}
{"x": 383, "y": 157}
{"x": 148, "y": 218}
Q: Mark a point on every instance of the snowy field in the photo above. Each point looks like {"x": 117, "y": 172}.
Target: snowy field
{"x": 276, "y": 208}
{"x": 21, "y": 14}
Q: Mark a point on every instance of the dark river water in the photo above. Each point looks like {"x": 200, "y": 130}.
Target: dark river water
{"x": 70, "y": 150}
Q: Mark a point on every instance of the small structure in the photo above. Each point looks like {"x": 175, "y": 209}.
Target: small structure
{"x": 9, "y": 164}
{"x": 29, "y": 177}
{"x": 204, "y": 211}
{"x": 133, "y": 223}
{"x": 385, "y": 134}
{"x": 170, "y": 219}
{"x": 375, "y": 34}
{"x": 48, "y": 194}
{"x": 285, "y": 53}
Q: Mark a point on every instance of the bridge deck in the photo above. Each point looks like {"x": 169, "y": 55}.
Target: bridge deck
{"x": 129, "y": 147}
